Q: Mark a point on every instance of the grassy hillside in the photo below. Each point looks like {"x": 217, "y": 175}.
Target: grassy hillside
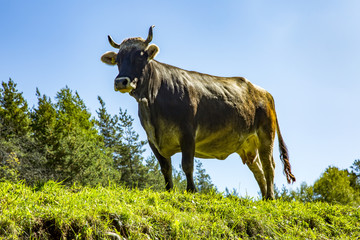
{"x": 56, "y": 212}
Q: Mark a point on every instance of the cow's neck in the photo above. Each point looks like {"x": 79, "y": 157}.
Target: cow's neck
{"x": 150, "y": 81}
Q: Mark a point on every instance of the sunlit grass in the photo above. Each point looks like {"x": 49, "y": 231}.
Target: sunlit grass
{"x": 56, "y": 212}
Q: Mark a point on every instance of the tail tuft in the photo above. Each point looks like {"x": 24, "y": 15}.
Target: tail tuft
{"x": 284, "y": 156}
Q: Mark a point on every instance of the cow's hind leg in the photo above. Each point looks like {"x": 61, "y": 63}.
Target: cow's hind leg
{"x": 166, "y": 167}
{"x": 256, "y": 168}
{"x": 259, "y": 175}
{"x": 250, "y": 157}
{"x": 268, "y": 164}
{"x": 267, "y": 161}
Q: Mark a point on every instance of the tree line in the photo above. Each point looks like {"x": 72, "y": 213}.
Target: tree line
{"x": 60, "y": 140}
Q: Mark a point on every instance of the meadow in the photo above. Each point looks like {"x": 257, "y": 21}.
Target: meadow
{"x": 53, "y": 211}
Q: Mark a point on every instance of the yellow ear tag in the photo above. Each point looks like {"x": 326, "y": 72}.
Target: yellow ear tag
{"x": 113, "y": 61}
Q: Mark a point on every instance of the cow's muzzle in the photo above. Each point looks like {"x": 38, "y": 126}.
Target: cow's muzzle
{"x": 123, "y": 84}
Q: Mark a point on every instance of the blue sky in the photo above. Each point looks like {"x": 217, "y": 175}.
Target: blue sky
{"x": 305, "y": 53}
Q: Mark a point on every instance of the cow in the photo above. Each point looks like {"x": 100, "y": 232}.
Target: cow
{"x": 199, "y": 115}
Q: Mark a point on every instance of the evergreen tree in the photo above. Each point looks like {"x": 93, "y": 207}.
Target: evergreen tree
{"x": 179, "y": 178}
{"x": 121, "y": 139}
{"x": 355, "y": 176}
{"x": 155, "y": 179}
{"x": 303, "y": 194}
{"x": 202, "y": 179}
{"x": 43, "y": 121}
{"x": 79, "y": 154}
{"x": 130, "y": 159}
{"x": 110, "y": 136}
{"x": 14, "y": 114}
{"x": 18, "y": 150}
{"x": 356, "y": 167}
{"x": 107, "y": 126}
{"x": 9, "y": 161}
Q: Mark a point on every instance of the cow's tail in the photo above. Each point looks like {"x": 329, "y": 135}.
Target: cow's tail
{"x": 284, "y": 156}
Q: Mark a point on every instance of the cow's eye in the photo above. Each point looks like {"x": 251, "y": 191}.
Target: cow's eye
{"x": 137, "y": 55}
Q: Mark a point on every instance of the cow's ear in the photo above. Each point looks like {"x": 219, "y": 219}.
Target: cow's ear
{"x": 152, "y": 50}
{"x": 109, "y": 58}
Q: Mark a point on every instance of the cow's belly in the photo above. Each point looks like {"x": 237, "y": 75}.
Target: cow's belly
{"x": 219, "y": 144}
{"x": 208, "y": 144}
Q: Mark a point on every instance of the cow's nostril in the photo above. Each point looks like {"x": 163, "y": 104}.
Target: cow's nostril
{"x": 125, "y": 82}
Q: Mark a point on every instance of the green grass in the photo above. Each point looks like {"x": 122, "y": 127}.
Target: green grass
{"x": 56, "y": 212}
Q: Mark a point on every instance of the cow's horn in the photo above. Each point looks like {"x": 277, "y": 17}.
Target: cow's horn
{"x": 150, "y": 36}
{"x": 112, "y": 43}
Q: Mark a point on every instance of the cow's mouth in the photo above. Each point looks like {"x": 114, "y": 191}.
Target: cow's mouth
{"x": 124, "y": 90}
{"x": 124, "y": 84}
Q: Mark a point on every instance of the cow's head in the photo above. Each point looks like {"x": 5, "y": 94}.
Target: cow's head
{"x": 134, "y": 54}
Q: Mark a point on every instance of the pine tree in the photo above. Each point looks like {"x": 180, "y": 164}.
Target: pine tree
{"x": 107, "y": 126}
{"x": 119, "y": 136}
{"x": 179, "y": 179}
{"x": 355, "y": 176}
{"x": 79, "y": 153}
{"x": 130, "y": 160}
{"x": 14, "y": 113}
{"x": 43, "y": 121}
{"x": 155, "y": 179}
{"x": 17, "y": 149}
{"x": 202, "y": 179}
{"x": 110, "y": 135}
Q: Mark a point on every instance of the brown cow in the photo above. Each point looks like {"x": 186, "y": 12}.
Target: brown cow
{"x": 199, "y": 115}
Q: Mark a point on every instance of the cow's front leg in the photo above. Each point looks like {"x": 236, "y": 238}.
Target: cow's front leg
{"x": 166, "y": 167}
{"x": 187, "y": 145}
